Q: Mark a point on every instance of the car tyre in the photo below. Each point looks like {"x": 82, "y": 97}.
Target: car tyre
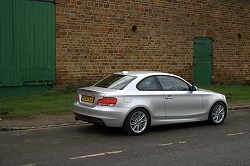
{"x": 217, "y": 113}
{"x": 137, "y": 122}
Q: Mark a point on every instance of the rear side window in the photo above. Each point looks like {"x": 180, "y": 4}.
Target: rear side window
{"x": 148, "y": 84}
{"x": 115, "y": 81}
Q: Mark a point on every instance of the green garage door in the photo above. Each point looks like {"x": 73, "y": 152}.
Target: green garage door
{"x": 202, "y": 70}
{"x": 27, "y": 43}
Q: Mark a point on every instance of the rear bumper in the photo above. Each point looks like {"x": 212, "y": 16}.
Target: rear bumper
{"x": 89, "y": 119}
{"x": 101, "y": 115}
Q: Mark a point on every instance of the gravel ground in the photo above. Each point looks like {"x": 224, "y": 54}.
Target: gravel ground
{"x": 39, "y": 121}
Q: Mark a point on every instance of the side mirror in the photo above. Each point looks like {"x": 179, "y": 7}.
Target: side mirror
{"x": 194, "y": 88}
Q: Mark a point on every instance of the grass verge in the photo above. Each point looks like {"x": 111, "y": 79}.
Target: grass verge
{"x": 62, "y": 101}
{"x": 234, "y": 93}
{"x": 46, "y": 103}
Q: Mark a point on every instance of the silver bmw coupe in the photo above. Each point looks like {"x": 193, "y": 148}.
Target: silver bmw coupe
{"x": 136, "y": 100}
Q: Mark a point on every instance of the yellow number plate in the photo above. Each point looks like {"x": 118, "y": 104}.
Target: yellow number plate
{"x": 88, "y": 99}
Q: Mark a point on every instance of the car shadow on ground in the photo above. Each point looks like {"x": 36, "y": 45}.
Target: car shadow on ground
{"x": 91, "y": 129}
{"x": 176, "y": 127}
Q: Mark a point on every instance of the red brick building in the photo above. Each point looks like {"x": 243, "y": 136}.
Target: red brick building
{"x": 44, "y": 42}
{"x": 97, "y": 37}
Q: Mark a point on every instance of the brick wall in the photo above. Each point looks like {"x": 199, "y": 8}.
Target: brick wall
{"x": 95, "y": 37}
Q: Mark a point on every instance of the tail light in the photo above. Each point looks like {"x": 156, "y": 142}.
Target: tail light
{"x": 77, "y": 97}
{"x": 107, "y": 101}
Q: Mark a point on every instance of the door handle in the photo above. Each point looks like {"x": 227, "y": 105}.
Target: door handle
{"x": 168, "y": 97}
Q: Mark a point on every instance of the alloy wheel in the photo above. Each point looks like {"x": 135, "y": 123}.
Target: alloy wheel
{"x": 218, "y": 113}
{"x": 138, "y": 122}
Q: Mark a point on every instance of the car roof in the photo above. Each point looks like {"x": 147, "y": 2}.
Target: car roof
{"x": 141, "y": 73}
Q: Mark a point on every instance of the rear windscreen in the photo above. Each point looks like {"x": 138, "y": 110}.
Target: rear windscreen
{"x": 115, "y": 81}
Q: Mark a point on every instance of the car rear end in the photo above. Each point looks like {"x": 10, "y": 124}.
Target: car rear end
{"x": 102, "y": 103}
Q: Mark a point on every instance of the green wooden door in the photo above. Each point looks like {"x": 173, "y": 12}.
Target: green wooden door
{"x": 202, "y": 69}
{"x": 27, "y": 43}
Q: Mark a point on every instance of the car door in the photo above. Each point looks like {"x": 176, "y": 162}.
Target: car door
{"x": 180, "y": 102}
